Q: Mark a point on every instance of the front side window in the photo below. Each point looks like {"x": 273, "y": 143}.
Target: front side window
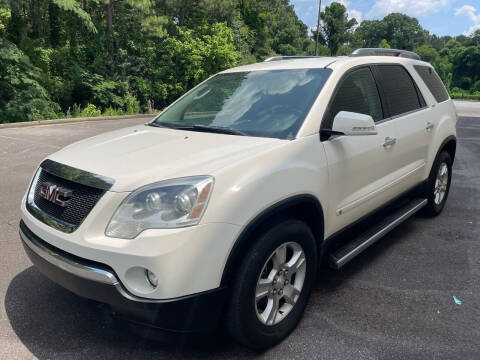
{"x": 357, "y": 93}
{"x": 399, "y": 89}
{"x": 266, "y": 103}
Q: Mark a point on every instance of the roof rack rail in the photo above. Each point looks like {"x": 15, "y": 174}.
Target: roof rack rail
{"x": 385, "y": 52}
{"x": 278, "y": 58}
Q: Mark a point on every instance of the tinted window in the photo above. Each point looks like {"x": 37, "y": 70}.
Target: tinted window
{"x": 267, "y": 103}
{"x": 433, "y": 82}
{"x": 357, "y": 93}
{"x": 399, "y": 89}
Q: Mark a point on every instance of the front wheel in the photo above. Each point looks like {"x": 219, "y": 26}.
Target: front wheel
{"x": 438, "y": 184}
{"x": 272, "y": 285}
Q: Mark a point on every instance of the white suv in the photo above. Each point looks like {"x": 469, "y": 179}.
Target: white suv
{"x": 224, "y": 205}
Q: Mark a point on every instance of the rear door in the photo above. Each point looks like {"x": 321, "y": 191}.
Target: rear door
{"x": 405, "y": 107}
{"x": 440, "y": 107}
{"x": 359, "y": 167}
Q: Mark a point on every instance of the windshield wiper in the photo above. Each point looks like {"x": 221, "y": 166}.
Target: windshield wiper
{"x": 164, "y": 125}
{"x": 203, "y": 128}
{"x": 214, "y": 129}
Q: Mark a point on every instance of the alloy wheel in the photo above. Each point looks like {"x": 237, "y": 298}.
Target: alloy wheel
{"x": 441, "y": 184}
{"x": 280, "y": 283}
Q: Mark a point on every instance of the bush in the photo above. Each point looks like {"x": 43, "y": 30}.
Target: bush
{"x": 113, "y": 112}
{"x": 105, "y": 94}
{"x": 465, "y": 96}
{"x": 475, "y": 87}
{"x": 22, "y": 98}
{"x": 344, "y": 50}
{"x": 76, "y": 110}
{"x": 287, "y": 49}
{"x": 132, "y": 105}
{"x": 90, "y": 111}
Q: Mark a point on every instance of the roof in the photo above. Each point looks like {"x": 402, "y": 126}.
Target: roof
{"x": 323, "y": 62}
{"x": 285, "y": 64}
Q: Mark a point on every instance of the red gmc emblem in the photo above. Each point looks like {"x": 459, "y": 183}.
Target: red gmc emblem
{"x": 56, "y": 194}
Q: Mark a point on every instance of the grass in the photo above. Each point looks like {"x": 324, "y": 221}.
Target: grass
{"x": 464, "y": 96}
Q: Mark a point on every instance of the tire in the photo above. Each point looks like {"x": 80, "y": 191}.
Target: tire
{"x": 438, "y": 186}
{"x": 247, "y": 319}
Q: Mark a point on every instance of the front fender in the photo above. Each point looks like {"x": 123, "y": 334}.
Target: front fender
{"x": 246, "y": 192}
{"x": 245, "y": 189}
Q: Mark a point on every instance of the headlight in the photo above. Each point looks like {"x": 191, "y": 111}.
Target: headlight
{"x": 166, "y": 204}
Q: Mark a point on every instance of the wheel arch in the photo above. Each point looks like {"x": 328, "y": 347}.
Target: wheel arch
{"x": 303, "y": 207}
{"x": 449, "y": 145}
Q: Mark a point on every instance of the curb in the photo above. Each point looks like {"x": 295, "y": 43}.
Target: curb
{"x": 74, "y": 120}
{"x": 466, "y": 100}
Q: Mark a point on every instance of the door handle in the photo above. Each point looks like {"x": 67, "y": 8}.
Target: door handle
{"x": 389, "y": 142}
{"x": 429, "y": 126}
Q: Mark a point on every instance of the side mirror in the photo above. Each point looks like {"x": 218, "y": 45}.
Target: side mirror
{"x": 352, "y": 124}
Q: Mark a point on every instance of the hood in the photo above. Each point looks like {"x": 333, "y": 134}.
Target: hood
{"x": 142, "y": 155}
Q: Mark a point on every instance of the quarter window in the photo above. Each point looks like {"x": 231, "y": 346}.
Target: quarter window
{"x": 357, "y": 93}
{"x": 399, "y": 90}
{"x": 433, "y": 82}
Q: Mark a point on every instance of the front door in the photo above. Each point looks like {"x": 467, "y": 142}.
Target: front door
{"x": 360, "y": 167}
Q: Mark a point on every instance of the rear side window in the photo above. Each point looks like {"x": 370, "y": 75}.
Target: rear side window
{"x": 357, "y": 93}
{"x": 433, "y": 82}
{"x": 400, "y": 92}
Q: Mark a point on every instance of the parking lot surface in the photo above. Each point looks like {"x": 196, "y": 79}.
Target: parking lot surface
{"x": 394, "y": 301}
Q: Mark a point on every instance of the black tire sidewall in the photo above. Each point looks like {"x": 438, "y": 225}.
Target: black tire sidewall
{"x": 443, "y": 157}
{"x": 243, "y": 322}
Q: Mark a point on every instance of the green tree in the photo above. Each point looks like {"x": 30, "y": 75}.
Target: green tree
{"x": 286, "y": 31}
{"x": 337, "y": 28}
{"x": 399, "y": 30}
{"x": 184, "y": 61}
{"x": 255, "y": 16}
{"x": 22, "y": 98}
{"x": 427, "y": 53}
{"x": 119, "y": 56}
{"x": 370, "y": 33}
{"x": 444, "y": 70}
{"x": 439, "y": 42}
{"x": 404, "y": 32}
{"x": 466, "y": 67}
{"x": 73, "y": 7}
{"x": 384, "y": 44}
{"x": 153, "y": 20}
{"x": 476, "y": 38}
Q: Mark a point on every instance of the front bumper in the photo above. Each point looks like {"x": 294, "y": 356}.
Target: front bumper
{"x": 194, "y": 313}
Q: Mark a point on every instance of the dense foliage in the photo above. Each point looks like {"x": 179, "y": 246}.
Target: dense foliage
{"x": 85, "y": 57}
{"x": 456, "y": 59}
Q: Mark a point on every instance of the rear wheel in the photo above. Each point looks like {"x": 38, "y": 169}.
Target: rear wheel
{"x": 438, "y": 184}
{"x": 272, "y": 285}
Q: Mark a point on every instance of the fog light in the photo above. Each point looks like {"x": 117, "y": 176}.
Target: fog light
{"x": 151, "y": 278}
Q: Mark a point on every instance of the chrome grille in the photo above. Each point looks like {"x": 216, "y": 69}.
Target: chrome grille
{"x": 82, "y": 202}
{"x": 83, "y": 198}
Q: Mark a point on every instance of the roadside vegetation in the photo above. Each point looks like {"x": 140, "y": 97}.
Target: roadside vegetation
{"x": 68, "y": 58}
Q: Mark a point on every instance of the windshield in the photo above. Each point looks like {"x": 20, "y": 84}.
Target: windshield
{"x": 271, "y": 103}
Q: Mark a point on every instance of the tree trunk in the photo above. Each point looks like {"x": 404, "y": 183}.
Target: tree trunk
{"x": 16, "y": 25}
{"x": 55, "y": 25}
{"x": 110, "y": 15}
{"x": 181, "y": 16}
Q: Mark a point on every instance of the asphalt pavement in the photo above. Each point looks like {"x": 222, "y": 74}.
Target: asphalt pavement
{"x": 394, "y": 301}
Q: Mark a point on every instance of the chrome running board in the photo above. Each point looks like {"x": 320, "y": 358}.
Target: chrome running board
{"x": 347, "y": 252}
